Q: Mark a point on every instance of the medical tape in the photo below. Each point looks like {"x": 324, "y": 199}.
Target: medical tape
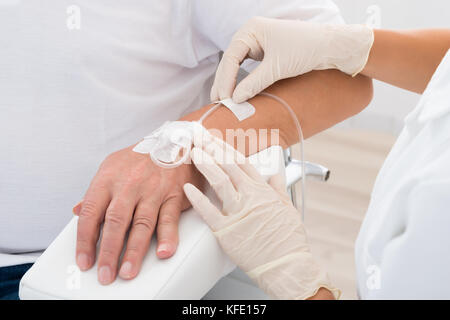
{"x": 165, "y": 143}
{"x": 241, "y": 111}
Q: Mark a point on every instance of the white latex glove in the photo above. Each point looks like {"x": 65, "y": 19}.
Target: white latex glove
{"x": 288, "y": 48}
{"x": 258, "y": 227}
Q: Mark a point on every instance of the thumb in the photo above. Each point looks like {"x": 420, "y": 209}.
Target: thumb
{"x": 201, "y": 204}
{"x": 258, "y": 80}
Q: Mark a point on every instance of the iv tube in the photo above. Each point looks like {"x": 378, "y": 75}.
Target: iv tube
{"x": 299, "y": 131}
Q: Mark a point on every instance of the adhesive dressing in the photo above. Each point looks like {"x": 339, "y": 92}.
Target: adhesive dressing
{"x": 165, "y": 144}
{"x": 242, "y": 111}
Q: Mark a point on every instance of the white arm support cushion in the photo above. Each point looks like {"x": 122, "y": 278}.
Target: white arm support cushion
{"x": 197, "y": 265}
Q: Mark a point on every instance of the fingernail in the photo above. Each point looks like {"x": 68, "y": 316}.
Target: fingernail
{"x": 187, "y": 186}
{"x": 126, "y": 270}
{"x": 105, "y": 275}
{"x": 83, "y": 261}
{"x": 164, "y": 250}
{"x": 76, "y": 207}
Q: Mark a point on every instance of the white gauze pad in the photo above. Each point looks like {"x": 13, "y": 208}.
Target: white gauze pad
{"x": 242, "y": 111}
{"x": 165, "y": 143}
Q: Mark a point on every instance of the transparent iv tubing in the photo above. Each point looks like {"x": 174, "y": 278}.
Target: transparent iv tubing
{"x": 185, "y": 156}
{"x": 299, "y": 131}
{"x": 300, "y": 139}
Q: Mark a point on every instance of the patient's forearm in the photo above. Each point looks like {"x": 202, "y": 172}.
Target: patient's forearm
{"x": 320, "y": 99}
{"x": 407, "y": 59}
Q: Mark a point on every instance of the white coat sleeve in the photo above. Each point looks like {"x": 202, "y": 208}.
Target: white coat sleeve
{"x": 416, "y": 263}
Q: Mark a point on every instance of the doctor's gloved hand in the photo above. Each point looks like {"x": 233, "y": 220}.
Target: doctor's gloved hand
{"x": 131, "y": 194}
{"x": 257, "y": 226}
{"x": 288, "y": 48}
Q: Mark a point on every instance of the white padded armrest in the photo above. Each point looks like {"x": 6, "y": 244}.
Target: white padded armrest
{"x": 196, "y": 266}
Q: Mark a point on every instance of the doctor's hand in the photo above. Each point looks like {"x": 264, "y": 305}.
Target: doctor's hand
{"x": 257, "y": 225}
{"x": 130, "y": 193}
{"x": 288, "y": 48}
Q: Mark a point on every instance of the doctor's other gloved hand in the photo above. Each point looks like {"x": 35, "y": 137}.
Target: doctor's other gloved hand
{"x": 257, "y": 226}
{"x": 288, "y": 48}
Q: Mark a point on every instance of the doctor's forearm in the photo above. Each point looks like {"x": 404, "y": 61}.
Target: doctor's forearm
{"x": 320, "y": 99}
{"x": 407, "y": 59}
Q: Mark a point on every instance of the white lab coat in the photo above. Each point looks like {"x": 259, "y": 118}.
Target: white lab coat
{"x": 403, "y": 248}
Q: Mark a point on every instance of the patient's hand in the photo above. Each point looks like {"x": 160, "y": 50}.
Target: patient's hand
{"x": 130, "y": 192}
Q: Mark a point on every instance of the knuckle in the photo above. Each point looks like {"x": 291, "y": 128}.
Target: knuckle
{"x": 135, "y": 249}
{"x": 136, "y": 176}
{"x": 145, "y": 222}
{"x": 108, "y": 252}
{"x": 115, "y": 219}
{"x": 88, "y": 209}
{"x": 168, "y": 219}
{"x": 84, "y": 241}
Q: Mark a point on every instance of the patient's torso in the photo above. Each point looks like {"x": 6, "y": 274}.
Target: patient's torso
{"x": 80, "y": 79}
{"x": 71, "y": 96}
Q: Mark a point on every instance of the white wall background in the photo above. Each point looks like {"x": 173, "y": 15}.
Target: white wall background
{"x": 390, "y": 104}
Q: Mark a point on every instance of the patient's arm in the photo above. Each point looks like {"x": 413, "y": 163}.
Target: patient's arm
{"x": 320, "y": 99}
{"x": 130, "y": 192}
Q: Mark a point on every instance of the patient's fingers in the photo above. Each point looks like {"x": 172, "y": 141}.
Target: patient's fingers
{"x": 167, "y": 227}
{"x": 90, "y": 217}
{"x": 117, "y": 219}
{"x": 143, "y": 225}
{"x": 209, "y": 213}
{"x": 218, "y": 180}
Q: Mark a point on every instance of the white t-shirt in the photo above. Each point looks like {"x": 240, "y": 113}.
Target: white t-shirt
{"x": 403, "y": 248}
{"x": 69, "y": 97}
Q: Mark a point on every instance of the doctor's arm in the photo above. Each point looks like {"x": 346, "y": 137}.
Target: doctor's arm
{"x": 407, "y": 59}
{"x": 287, "y": 48}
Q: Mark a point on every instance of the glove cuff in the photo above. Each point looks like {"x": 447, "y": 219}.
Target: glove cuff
{"x": 347, "y": 48}
{"x": 295, "y": 276}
